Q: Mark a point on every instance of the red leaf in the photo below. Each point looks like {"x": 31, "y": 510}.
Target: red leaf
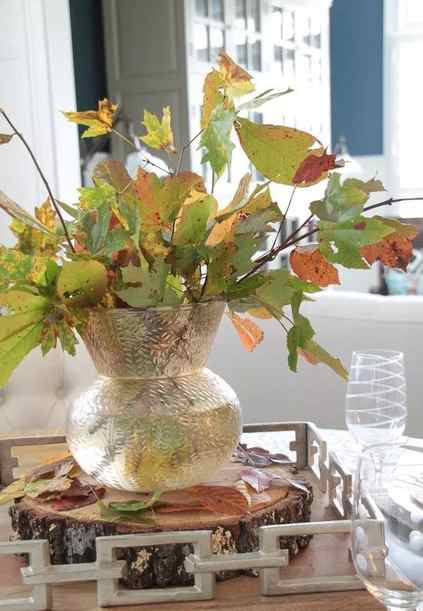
{"x": 315, "y": 168}
{"x": 309, "y": 264}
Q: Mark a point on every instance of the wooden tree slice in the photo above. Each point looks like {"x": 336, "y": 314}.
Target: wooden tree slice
{"x": 72, "y": 534}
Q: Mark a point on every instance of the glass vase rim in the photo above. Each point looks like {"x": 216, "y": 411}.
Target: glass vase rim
{"x": 161, "y": 308}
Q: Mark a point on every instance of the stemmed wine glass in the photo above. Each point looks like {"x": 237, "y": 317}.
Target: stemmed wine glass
{"x": 387, "y": 524}
{"x": 376, "y": 398}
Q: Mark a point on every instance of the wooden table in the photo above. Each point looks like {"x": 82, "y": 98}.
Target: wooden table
{"x": 239, "y": 594}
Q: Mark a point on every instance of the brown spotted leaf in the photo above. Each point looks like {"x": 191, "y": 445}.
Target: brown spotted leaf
{"x": 309, "y": 264}
{"x": 250, "y": 334}
{"x": 396, "y": 249}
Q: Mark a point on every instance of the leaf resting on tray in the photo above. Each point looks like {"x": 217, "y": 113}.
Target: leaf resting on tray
{"x": 258, "y": 457}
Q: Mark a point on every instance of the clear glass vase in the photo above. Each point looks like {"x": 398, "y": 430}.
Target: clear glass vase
{"x": 155, "y": 418}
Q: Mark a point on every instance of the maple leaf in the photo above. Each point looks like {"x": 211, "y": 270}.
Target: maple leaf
{"x": 159, "y": 133}
{"x": 21, "y": 325}
{"x": 250, "y": 334}
{"x": 237, "y": 81}
{"x": 219, "y": 499}
{"x": 309, "y": 264}
{"x": 99, "y": 122}
{"x": 216, "y": 139}
{"x": 394, "y": 250}
{"x": 275, "y": 151}
{"x": 315, "y": 168}
{"x": 212, "y": 96}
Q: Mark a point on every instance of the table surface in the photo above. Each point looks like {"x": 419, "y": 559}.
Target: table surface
{"x": 236, "y": 594}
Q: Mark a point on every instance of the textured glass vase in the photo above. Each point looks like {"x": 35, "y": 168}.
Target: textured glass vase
{"x": 155, "y": 418}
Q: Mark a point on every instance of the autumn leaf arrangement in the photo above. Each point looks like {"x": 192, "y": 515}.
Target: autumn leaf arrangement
{"x": 60, "y": 485}
{"x": 153, "y": 241}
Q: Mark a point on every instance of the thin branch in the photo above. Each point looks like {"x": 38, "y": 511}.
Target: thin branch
{"x": 42, "y": 176}
{"x": 391, "y": 200}
{"x": 282, "y": 223}
{"x": 144, "y": 160}
{"x": 184, "y": 148}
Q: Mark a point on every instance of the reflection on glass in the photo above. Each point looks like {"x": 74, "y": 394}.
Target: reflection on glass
{"x": 201, "y": 8}
{"x": 254, "y": 15}
{"x": 201, "y": 42}
{"x": 241, "y": 14}
{"x": 255, "y": 54}
{"x": 217, "y": 42}
{"x": 312, "y": 32}
{"x": 241, "y": 49}
{"x": 278, "y": 57}
{"x": 288, "y": 66}
{"x": 277, "y": 22}
{"x": 288, "y": 24}
{"x": 217, "y": 10}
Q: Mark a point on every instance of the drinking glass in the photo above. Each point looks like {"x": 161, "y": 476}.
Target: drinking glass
{"x": 387, "y": 524}
{"x": 376, "y": 398}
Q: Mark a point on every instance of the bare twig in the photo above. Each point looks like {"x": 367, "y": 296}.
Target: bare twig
{"x": 42, "y": 176}
{"x": 184, "y": 148}
{"x": 144, "y": 160}
{"x": 282, "y": 223}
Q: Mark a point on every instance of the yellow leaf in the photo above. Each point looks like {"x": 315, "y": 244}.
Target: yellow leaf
{"x": 260, "y": 312}
{"x": 14, "y": 491}
{"x": 212, "y": 95}
{"x": 237, "y": 80}
{"x": 250, "y": 334}
{"x": 99, "y": 122}
{"x": 159, "y": 133}
{"x": 46, "y": 214}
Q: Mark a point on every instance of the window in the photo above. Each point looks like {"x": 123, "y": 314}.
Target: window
{"x": 404, "y": 100}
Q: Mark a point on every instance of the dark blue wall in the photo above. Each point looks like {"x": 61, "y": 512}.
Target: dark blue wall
{"x": 356, "y": 56}
{"x": 88, "y": 52}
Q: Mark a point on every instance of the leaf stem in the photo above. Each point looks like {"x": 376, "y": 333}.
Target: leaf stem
{"x": 41, "y": 174}
{"x": 132, "y": 145}
{"x": 282, "y": 223}
{"x": 184, "y": 148}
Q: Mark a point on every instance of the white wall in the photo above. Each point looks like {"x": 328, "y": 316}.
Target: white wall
{"x": 36, "y": 82}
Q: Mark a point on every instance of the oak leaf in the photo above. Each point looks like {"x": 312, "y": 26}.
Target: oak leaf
{"x": 309, "y": 264}
{"x": 159, "y": 132}
{"x": 250, "y": 334}
{"x": 99, "y": 122}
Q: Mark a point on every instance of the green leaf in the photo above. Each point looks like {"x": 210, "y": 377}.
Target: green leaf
{"x": 92, "y": 198}
{"x": 67, "y": 337}
{"x": 322, "y": 356}
{"x": 97, "y": 228}
{"x": 5, "y": 138}
{"x": 258, "y": 222}
{"x": 275, "y": 151}
{"x": 341, "y": 202}
{"x": 185, "y": 259}
{"x": 191, "y": 226}
{"x": 292, "y": 345}
{"x": 147, "y": 286}
{"x": 115, "y": 240}
{"x": 159, "y": 133}
{"x": 263, "y": 98}
{"x": 245, "y": 288}
{"x": 216, "y": 139}
{"x": 71, "y": 210}
{"x": 21, "y": 324}
{"x": 135, "y": 505}
{"x": 174, "y": 293}
{"x": 276, "y": 292}
{"x": 82, "y": 283}
{"x": 245, "y": 247}
{"x": 341, "y": 242}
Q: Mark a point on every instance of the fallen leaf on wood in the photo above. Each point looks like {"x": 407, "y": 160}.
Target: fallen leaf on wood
{"x": 113, "y": 515}
{"x": 15, "y": 490}
{"x": 135, "y": 505}
{"x": 49, "y": 466}
{"x": 258, "y": 457}
{"x": 47, "y": 488}
{"x": 243, "y": 488}
{"x": 75, "y": 500}
{"x": 261, "y": 480}
{"x": 220, "y": 499}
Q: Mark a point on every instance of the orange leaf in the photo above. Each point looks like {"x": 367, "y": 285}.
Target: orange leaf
{"x": 220, "y": 499}
{"x": 309, "y": 264}
{"x": 393, "y": 251}
{"x": 250, "y": 334}
{"x": 314, "y": 168}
